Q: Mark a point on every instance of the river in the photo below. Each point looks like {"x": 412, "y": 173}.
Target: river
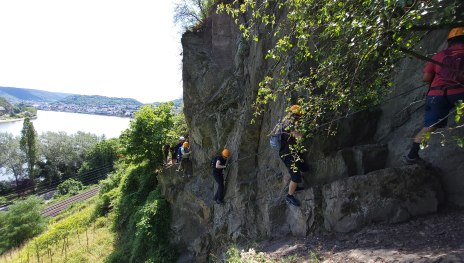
{"x": 71, "y": 123}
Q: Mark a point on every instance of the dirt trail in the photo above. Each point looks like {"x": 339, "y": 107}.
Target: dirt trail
{"x": 58, "y": 207}
{"x": 433, "y": 238}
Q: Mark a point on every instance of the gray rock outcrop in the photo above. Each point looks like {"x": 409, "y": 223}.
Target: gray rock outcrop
{"x": 350, "y": 184}
{"x": 389, "y": 195}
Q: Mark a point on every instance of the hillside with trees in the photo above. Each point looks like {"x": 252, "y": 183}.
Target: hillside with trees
{"x": 97, "y": 101}
{"x": 16, "y": 95}
{"x": 11, "y": 111}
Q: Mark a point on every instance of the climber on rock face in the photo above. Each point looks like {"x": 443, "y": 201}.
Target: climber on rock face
{"x": 185, "y": 165}
{"x": 446, "y": 78}
{"x": 219, "y": 164}
{"x": 292, "y": 160}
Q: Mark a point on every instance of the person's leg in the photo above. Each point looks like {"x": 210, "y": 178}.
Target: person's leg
{"x": 292, "y": 187}
{"x": 295, "y": 179}
{"x": 217, "y": 190}
{"x": 436, "y": 111}
{"x": 219, "y": 196}
{"x": 187, "y": 167}
{"x": 414, "y": 151}
{"x": 221, "y": 192}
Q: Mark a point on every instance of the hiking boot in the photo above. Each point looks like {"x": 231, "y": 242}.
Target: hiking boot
{"x": 418, "y": 161}
{"x": 292, "y": 200}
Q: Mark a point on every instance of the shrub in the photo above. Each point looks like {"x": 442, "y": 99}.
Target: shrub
{"x": 99, "y": 161}
{"x": 70, "y": 187}
{"x": 152, "y": 231}
{"x": 142, "y": 219}
{"x": 22, "y": 221}
{"x": 3, "y": 200}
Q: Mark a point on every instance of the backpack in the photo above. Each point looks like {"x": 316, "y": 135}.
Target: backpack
{"x": 276, "y": 137}
{"x": 213, "y": 162}
{"x": 453, "y": 69}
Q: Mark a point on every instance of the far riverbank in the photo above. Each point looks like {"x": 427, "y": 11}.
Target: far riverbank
{"x": 14, "y": 120}
{"x": 11, "y": 120}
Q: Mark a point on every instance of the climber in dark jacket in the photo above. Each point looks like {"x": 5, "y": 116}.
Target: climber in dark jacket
{"x": 219, "y": 163}
{"x": 292, "y": 160}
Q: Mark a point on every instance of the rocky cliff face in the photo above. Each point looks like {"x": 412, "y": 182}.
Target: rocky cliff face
{"x": 356, "y": 177}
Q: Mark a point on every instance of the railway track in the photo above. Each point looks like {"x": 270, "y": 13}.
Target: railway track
{"x": 58, "y": 207}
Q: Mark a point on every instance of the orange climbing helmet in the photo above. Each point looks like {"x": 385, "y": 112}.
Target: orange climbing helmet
{"x": 225, "y": 153}
{"x": 456, "y": 32}
{"x": 296, "y": 109}
{"x": 185, "y": 144}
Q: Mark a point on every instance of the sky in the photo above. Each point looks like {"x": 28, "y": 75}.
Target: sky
{"x": 114, "y": 48}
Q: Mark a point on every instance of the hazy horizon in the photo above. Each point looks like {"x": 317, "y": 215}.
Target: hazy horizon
{"x": 121, "y": 49}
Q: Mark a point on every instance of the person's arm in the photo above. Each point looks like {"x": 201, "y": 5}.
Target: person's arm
{"x": 429, "y": 71}
{"x": 219, "y": 166}
{"x": 428, "y": 77}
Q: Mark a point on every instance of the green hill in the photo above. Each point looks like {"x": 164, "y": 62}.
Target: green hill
{"x": 20, "y": 110}
{"x": 95, "y": 100}
{"x": 16, "y": 95}
{"x": 177, "y": 103}
{"x": 7, "y": 107}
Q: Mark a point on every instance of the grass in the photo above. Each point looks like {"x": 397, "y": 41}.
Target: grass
{"x": 235, "y": 255}
{"x": 92, "y": 243}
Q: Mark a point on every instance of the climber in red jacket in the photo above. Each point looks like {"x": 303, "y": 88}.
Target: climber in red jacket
{"x": 446, "y": 76}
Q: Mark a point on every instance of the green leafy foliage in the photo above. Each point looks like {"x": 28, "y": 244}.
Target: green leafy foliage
{"x": 60, "y": 157}
{"x": 459, "y": 121}
{"x": 11, "y": 111}
{"x": 179, "y": 128}
{"x": 73, "y": 236}
{"x": 459, "y": 112}
{"x": 7, "y": 106}
{"x": 141, "y": 215}
{"x": 69, "y": 187}
{"x": 147, "y": 134}
{"x": 59, "y": 231}
{"x": 11, "y": 157}
{"x": 233, "y": 255}
{"x": 142, "y": 218}
{"x": 333, "y": 57}
{"x": 191, "y": 13}
{"x": 109, "y": 192}
{"x": 22, "y": 221}
{"x": 152, "y": 231}
{"x": 425, "y": 140}
{"x": 63, "y": 154}
{"x": 99, "y": 161}
{"x": 30, "y": 146}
